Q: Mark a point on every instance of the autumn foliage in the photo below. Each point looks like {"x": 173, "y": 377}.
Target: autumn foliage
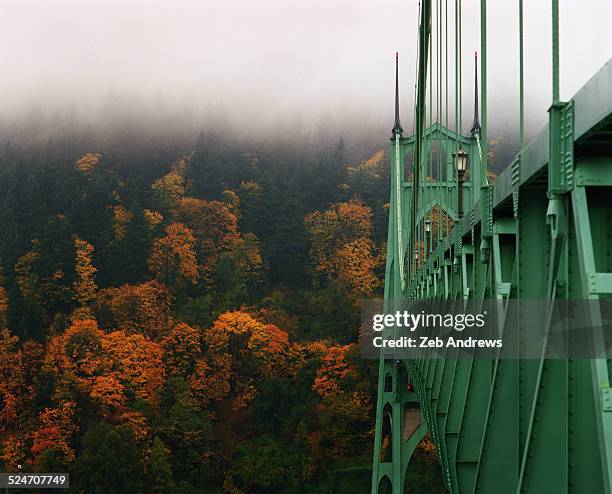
{"x": 143, "y": 308}
{"x": 56, "y": 431}
{"x": 173, "y": 258}
{"x": 334, "y": 369}
{"x": 341, "y": 245}
{"x": 188, "y": 328}
{"x": 182, "y": 349}
{"x": 237, "y": 342}
{"x": 85, "y": 285}
{"x": 88, "y": 162}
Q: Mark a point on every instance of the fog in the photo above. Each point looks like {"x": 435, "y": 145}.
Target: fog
{"x": 269, "y": 68}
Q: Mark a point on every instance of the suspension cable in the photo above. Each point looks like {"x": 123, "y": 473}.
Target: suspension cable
{"x": 521, "y": 83}
{"x": 483, "y": 137}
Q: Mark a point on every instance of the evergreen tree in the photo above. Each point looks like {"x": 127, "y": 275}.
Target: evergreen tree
{"x": 110, "y": 462}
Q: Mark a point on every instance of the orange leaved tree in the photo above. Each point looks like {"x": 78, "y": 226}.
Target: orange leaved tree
{"x": 173, "y": 258}
{"x": 341, "y": 246}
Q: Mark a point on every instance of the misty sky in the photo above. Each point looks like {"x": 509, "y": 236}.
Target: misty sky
{"x": 264, "y": 62}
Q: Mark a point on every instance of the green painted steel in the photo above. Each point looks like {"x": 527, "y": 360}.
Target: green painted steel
{"x": 542, "y": 231}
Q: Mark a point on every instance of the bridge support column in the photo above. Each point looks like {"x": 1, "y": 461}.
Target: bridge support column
{"x": 398, "y": 407}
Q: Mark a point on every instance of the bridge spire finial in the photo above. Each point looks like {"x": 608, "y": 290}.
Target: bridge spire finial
{"x": 476, "y": 123}
{"x": 397, "y": 126}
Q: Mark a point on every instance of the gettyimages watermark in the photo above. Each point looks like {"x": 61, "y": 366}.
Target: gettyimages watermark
{"x": 491, "y": 328}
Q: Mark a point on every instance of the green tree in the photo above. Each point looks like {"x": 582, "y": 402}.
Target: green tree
{"x": 159, "y": 469}
{"x": 188, "y": 433}
{"x": 110, "y": 462}
{"x": 263, "y": 465}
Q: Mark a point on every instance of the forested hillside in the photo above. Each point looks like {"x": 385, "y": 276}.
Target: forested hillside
{"x": 187, "y": 322}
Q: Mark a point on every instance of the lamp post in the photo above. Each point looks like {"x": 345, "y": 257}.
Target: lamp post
{"x": 460, "y": 159}
{"x": 456, "y": 265}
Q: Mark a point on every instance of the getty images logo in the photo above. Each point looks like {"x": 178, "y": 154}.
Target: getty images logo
{"x": 413, "y": 321}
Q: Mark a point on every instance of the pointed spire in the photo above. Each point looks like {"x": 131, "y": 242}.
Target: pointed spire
{"x": 397, "y": 126}
{"x": 476, "y": 123}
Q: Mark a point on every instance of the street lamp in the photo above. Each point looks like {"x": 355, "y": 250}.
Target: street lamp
{"x": 428, "y": 235}
{"x": 460, "y": 159}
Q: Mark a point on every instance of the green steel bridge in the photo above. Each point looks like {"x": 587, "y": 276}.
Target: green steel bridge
{"x": 541, "y": 230}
